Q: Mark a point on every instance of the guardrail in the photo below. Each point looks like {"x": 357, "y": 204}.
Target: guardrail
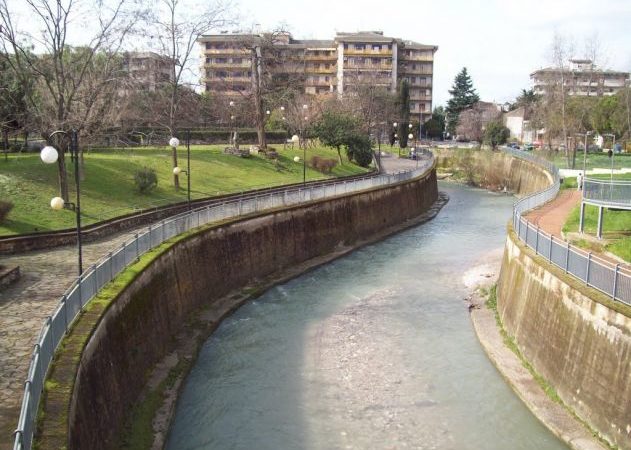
{"x": 611, "y": 193}
{"x": 596, "y": 272}
{"x": 93, "y": 279}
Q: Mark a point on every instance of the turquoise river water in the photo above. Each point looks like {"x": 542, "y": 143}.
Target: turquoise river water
{"x": 373, "y": 351}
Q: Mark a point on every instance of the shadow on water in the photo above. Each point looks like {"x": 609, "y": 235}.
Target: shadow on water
{"x": 374, "y": 350}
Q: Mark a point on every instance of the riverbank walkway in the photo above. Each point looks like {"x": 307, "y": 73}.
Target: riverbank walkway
{"x": 25, "y": 305}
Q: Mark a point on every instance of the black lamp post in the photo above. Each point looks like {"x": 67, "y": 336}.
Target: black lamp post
{"x": 49, "y": 155}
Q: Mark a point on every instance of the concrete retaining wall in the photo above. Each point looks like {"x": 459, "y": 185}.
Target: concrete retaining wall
{"x": 137, "y": 329}
{"x": 496, "y": 169}
{"x": 573, "y": 336}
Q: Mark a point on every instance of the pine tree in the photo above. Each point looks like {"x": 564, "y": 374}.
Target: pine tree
{"x": 463, "y": 96}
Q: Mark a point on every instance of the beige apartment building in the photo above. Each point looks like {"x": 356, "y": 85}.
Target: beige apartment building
{"x": 581, "y": 77}
{"x": 325, "y": 67}
{"x": 148, "y": 69}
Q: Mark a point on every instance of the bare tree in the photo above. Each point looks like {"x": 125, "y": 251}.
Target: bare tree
{"x": 64, "y": 84}
{"x": 178, "y": 24}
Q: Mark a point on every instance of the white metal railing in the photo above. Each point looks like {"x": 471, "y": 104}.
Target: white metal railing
{"x": 596, "y": 272}
{"x": 93, "y": 279}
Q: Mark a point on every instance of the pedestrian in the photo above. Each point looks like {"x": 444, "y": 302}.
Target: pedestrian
{"x": 579, "y": 181}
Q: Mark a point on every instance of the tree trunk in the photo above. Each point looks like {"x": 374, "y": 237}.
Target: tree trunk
{"x": 258, "y": 98}
{"x": 62, "y": 175}
{"x": 5, "y": 143}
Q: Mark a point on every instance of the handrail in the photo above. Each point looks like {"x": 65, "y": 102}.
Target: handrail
{"x": 594, "y": 271}
{"x": 94, "y": 278}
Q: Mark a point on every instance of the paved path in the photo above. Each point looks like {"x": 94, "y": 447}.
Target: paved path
{"x": 552, "y": 216}
{"x": 24, "y": 307}
{"x": 26, "y": 304}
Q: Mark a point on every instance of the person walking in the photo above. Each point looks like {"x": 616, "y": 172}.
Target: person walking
{"x": 579, "y": 181}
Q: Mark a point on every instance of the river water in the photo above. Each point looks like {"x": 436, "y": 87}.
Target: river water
{"x": 373, "y": 351}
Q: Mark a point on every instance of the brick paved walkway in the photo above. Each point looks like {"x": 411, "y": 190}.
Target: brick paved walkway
{"x": 25, "y": 305}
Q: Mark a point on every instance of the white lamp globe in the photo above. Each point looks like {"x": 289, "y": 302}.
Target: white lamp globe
{"x": 177, "y": 170}
{"x": 396, "y": 135}
{"x": 49, "y": 155}
{"x": 282, "y": 108}
{"x": 395, "y": 124}
{"x": 57, "y": 203}
{"x": 295, "y": 138}
{"x": 296, "y": 158}
{"x": 174, "y": 142}
{"x": 231, "y": 103}
{"x": 231, "y": 117}
{"x": 304, "y": 106}
{"x": 267, "y": 112}
{"x": 410, "y": 126}
{"x": 410, "y": 136}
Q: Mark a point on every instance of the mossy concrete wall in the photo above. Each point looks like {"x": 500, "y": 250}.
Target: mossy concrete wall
{"x": 495, "y": 169}
{"x": 137, "y": 329}
{"x": 573, "y": 336}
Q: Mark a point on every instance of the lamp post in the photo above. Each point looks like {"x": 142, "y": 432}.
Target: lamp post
{"x": 233, "y": 139}
{"x": 174, "y": 142}
{"x": 49, "y": 155}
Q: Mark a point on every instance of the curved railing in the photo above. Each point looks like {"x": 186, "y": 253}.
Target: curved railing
{"x": 596, "y": 272}
{"x": 93, "y": 279}
{"x": 609, "y": 193}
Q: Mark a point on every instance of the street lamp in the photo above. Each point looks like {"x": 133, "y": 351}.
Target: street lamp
{"x": 49, "y": 155}
{"x": 589, "y": 133}
{"x": 304, "y": 147}
{"x": 174, "y": 142}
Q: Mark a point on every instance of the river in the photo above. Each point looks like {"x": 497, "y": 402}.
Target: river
{"x": 373, "y": 351}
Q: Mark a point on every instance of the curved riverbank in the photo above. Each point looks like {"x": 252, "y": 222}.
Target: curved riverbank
{"x": 101, "y": 371}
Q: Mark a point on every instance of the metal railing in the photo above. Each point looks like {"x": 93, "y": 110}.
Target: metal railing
{"x": 93, "y": 279}
{"x": 613, "y": 193}
{"x": 596, "y": 272}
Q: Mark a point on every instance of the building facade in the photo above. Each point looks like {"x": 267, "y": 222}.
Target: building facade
{"x": 581, "y": 77}
{"x": 148, "y": 70}
{"x": 324, "y": 67}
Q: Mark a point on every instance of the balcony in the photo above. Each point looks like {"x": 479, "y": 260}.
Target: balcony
{"x": 321, "y": 83}
{"x": 229, "y": 80}
{"x": 368, "y": 67}
{"x": 243, "y": 65}
{"x": 227, "y": 51}
{"x": 368, "y": 52}
{"x": 321, "y": 69}
{"x": 311, "y": 57}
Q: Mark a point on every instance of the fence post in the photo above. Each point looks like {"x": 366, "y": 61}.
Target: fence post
{"x": 567, "y": 255}
{"x": 615, "y": 282}
{"x": 589, "y": 260}
{"x": 63, "y": 302}
{"x": 49, "y": 321}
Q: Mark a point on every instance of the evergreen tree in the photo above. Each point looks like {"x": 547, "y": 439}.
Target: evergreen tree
{"x": 404, "y": 113}
{"x": 463, "y": 96}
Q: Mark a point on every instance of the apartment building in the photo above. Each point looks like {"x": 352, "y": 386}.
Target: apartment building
{"x": 324, "y": 67}
{"x": 148, "y": 69}
{"x": 581, "y": 77}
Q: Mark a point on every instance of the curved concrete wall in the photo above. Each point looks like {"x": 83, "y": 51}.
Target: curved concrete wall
{"x": 137, "y": 330}
{"x": 573, "y": 336}
{"x": 519, "y": 176}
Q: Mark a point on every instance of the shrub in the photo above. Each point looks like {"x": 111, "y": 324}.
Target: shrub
{"x": 322, "y": 164}
{"x": 146, "y": 180}
{"x": 359, "y": 149}
{"x": 5, "y": 208}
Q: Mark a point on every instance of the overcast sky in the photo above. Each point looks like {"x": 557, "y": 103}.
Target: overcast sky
{"x": 499, "y": 41}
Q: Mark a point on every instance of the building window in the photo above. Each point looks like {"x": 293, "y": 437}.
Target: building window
{"x": 413, "y": 80}
{"x": 428, "y": 92}
{"x": 209, "y": 45}
{"x": 376, "y": 47}
{"x": 360, "y": 47}
{"x": 237, "y": 60}
{"x": 389, "y": 46}
{"x": 375, "y": 61}
{"x": 326, "y": 78}
{"x": 345, "y": 46}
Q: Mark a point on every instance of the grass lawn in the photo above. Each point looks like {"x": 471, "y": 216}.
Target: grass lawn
{"x": 616, "y": 229}
{"x": 108, "y": 188}
{"x": 594, "y": 160}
